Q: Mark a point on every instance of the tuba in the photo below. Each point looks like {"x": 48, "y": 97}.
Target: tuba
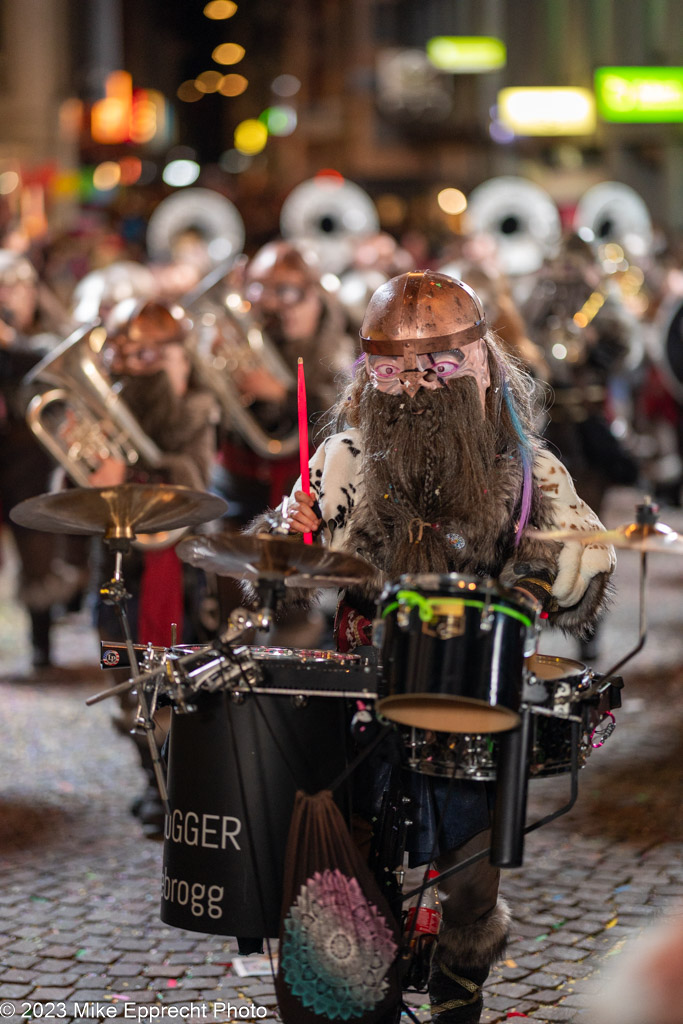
{"x": 328, "y": 215}
{"x": 82, "y": 421}
{"x": 521, "y": 217}
{"x": 612, "y": 212}
{"x": 227, "y": 339}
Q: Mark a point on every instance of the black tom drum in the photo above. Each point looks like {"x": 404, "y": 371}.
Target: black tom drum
{"x": 452, "y": 653}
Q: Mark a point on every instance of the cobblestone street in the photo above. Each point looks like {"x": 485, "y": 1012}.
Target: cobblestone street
{"x": 79, "y": 900}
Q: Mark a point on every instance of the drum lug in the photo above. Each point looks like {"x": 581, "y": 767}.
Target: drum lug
{"x": 237, "y": 696}
{"x": 487, "y": 619}
{"x": 451, "y": 626}
{"x": 300, "y": 700}
{"x": 403, "y": 617}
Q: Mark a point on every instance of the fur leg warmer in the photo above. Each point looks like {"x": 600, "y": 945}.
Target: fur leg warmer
{"x": 461, "y": 964}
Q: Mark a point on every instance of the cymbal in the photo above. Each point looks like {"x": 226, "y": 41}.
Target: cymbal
{"x": 118, "y": 512}
{"x": 268, "y": 556}
{"x": 631, "y": 536}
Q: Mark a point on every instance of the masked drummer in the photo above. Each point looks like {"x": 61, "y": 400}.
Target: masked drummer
{"x": 434, "y": 468}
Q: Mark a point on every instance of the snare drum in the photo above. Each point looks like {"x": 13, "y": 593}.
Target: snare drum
{"x": 452, "y": 653}
{"x": 554, "y": 687}
{"x": 235, "y": 763}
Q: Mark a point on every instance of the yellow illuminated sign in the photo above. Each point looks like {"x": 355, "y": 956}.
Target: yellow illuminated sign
{"x": 547, "y": 111}
{"x": 637, "y": 95}
{"x": 466, "y": 54}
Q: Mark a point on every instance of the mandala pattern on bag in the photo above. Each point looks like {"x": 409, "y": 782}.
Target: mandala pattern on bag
{"x": 337, "y": 948}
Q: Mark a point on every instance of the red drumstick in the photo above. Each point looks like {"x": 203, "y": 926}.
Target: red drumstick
{"x": 303, "y": 437}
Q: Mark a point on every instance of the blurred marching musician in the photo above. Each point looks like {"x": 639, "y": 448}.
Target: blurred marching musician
{"x": 375, "y": 258}
{"x": 586, "y": 333}
{"x": 302, "y": 320}
{"x": 473, "y": 259}
{"x": 45, "y": 578}
{"x": 172, "y": 440}
{"x": 435, "y": 468}
{"x": 147, "y": 356}
{"x": 294, "y": 316}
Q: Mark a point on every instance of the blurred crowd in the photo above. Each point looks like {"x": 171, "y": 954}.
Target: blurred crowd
{"x": 201, "y": 347}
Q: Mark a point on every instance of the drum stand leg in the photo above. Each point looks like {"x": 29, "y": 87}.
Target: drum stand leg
{"x": 509, "y": 817}
{"x": 114, "y": 593}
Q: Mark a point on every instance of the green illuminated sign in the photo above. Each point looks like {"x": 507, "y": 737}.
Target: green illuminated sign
{"x": 466, "y": 54}
{"x": 637, "y": 95}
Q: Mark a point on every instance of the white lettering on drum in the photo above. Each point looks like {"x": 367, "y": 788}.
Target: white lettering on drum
{"x": 211, "y": 831}
{"x": 201, "y": 899}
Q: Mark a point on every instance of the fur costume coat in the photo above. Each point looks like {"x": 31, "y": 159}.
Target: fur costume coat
{"x": 580, "y": 573}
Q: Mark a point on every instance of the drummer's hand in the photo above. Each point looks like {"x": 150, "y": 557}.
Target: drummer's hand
{"x": 299, "y": 516}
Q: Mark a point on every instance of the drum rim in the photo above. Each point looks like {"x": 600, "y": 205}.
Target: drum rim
{"x": 578, "y": 668}
{"x": 302, "y": 654}
{"x": 481, "y": 583}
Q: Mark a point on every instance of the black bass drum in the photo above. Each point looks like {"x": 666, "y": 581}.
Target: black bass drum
{"x": 452, "y": 652}
{"x": 235, "y": 763}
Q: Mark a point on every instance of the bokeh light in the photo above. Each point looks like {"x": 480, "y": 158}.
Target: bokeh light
{"x": 233, "y": 162}
{"x": 188, "y": 92}
{"x": 106, "y": 176}
{"x": 228, "y": 53}
{"x": 208, "y": 81}
{"x": 131, "y": 169}
{"x": 233, "y": 85}
{"x": 219, "y": 10}
{"x": 391, "y": 209}
{"x": 280, "y": 121}
{"x": 285, "y": 85}
{"x": 9, "y": 181}
{"x": 452, "y": 201}
{"x": 180, "y": 173}
{"x": 250, "y": 136}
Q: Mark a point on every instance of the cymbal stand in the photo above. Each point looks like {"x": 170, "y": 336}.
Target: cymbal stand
{"x": 271, "y": 592}
{"x": 646, "y": 515}
{"x": 114, "y": 593}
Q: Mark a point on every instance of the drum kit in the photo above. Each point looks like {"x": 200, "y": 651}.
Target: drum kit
{"x": 454, "y": 669}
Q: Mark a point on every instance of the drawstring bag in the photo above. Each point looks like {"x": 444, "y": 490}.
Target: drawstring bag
{"x": 338, "y": 939}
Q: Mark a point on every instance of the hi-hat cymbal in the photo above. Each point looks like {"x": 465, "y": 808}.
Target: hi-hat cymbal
{"x": 631, "y": 536}
{"x": 267, "y": 556}
{"x": 119, "y": 512}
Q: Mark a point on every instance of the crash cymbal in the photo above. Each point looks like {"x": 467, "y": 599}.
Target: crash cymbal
{"x": 118, "y": 512}
{"x": 267, "y": 556}
{"x": 631, "y": 536}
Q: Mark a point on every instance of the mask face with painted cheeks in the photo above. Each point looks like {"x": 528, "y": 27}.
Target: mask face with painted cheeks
{"x": 387, "y": 373}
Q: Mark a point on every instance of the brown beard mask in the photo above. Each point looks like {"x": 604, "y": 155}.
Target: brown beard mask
{"x": 437, "y": 499}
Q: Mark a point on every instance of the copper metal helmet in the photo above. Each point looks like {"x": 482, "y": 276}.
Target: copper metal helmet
{"x": 422, "y": 311}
